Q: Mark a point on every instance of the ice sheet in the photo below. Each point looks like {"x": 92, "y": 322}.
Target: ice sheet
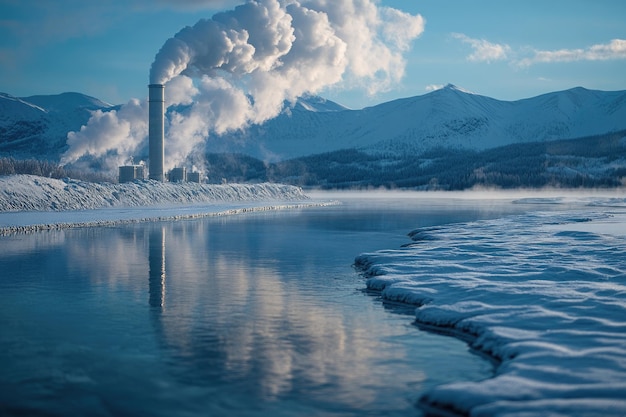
{"x": 544, "y": 293}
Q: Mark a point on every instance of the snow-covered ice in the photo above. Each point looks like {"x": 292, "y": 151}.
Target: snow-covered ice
{"x": 543, "y": 293}
{"x": 29, "y": 192}
{"x": 29, "y": 203}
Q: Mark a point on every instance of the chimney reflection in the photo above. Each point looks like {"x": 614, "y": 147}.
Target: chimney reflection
{"x": 156, "y": 260}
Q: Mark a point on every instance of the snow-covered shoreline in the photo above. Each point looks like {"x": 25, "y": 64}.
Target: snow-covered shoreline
{"x": 48, "y": 223}
{"x": 543, "y": 293}
{"x": 33, "y": 193}
{"x": 31, "y": 203}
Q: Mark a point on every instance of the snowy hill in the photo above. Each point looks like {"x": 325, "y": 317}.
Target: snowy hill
{"x": 448, "y": 118}
{"x": 37, "y": 126}
{"x": 67, "y": 102}
{"x": 20, "y": 123}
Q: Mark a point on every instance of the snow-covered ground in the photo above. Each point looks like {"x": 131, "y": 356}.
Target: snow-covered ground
{"x": 28, "y": 192}
{"x": 543, "y": 293}
{"x": 30, "y": 203}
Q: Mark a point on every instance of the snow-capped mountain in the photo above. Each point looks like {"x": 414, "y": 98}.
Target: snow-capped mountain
{"x": 449, "y": 118}
{"x": 37, "y": 126}
{"x": 446, "y": 118}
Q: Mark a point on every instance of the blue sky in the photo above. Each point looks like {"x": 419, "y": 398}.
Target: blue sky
{"x": 504, "y": 49}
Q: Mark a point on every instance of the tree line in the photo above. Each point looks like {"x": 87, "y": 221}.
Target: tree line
{"x": 597, "y": 161}
{"x": 586, "y": 162}
{"x": 44, "y": 168}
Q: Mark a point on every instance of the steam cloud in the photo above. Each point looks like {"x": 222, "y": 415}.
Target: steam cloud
{"x": 240, "y": 66}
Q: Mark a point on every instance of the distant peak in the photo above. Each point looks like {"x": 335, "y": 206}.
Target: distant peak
{"x": 317, "y": 104}
{"x": 447, "y": 88}
{"x": 453, "y": 87}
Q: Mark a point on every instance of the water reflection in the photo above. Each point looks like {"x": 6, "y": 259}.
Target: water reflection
{"x": 237, "y": 322}
{"x": 250, "y": 315}
{"x": 156, "y": 265}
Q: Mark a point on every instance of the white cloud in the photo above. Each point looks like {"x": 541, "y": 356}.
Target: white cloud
{"x": 615, "y": 49}
{"x": 189, "y": 4}
{"x": 484, "y": 51}
{"x": 433, "y": 87}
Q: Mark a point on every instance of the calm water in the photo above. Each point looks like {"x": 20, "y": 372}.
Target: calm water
{"x": 250, "y": 315}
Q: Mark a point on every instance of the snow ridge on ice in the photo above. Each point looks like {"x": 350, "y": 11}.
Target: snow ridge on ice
{"x": 31, "y": 203}
{"x": 543, "y": 293}
{"x": 29, "y": 192}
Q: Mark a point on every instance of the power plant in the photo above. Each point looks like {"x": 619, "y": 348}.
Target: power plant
{"x": 156, "y": 131}
{"x": 129, "y": 173}
{"x": 156, "y": 146}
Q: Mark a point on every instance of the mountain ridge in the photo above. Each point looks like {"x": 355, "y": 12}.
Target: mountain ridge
{"x": 37, "y": 126}
{"x": 66, "y": 102}
{"x": 450, "y": 117}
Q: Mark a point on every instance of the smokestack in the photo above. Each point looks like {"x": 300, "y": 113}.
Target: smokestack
{"x": 156, "y": 128}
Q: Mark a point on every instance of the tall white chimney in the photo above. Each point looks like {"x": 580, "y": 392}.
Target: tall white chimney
{"x": 156, "y": 130}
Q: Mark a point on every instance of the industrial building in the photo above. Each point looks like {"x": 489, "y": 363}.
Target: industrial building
{"x": 178, "y": 175}
{"x": 181, "y": 174}
{"x": 128, "y": 173}
{"x": 193, "y": 177}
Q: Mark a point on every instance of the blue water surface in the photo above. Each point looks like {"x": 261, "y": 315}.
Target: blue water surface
{"x": 247, "y": 315}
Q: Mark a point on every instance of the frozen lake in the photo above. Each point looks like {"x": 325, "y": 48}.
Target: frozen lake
{"x": 249, "y": 315}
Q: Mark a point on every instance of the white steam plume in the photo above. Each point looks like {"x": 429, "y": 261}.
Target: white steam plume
{"x": 112, "y": 136}
{"x": 240, "y": 66}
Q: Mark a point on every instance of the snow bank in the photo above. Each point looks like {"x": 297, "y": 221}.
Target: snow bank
{"x": 543, "y": 293}
{"x": 28, "y": 192}
{"x": 30, "y": 203}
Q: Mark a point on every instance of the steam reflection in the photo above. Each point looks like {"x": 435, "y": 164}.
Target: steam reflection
{"x": 233, "y": 320}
